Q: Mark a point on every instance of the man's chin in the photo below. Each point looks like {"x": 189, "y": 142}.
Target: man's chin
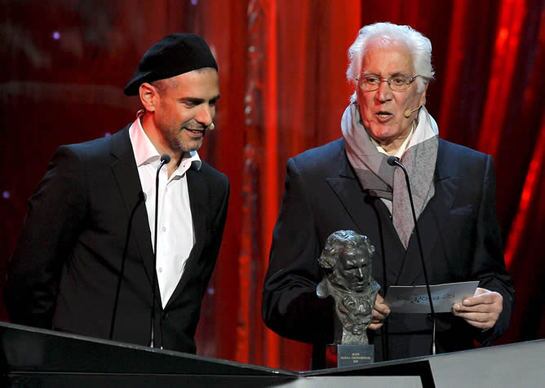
{"x": 191, "y": 146}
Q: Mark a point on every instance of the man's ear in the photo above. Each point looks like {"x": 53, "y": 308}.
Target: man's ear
{"x": 148, "y": 96}
{"x": 422, "y": 100}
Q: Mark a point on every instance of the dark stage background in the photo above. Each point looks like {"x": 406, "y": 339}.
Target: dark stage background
{"x": 282, "y": 64}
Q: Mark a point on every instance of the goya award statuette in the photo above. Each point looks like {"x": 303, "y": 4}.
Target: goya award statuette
{"x": 347, "y": 264}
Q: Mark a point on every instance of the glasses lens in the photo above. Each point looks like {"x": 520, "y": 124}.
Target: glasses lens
{"x": 400, "y": 83}
{"x": 397, "y": 83}
{"x": 370, "y": 82}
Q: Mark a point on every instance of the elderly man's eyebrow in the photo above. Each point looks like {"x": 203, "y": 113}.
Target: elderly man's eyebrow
{"x": 399, "y": 73}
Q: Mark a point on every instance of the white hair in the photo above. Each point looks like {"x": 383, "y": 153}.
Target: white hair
{"x": 419, "y": 47}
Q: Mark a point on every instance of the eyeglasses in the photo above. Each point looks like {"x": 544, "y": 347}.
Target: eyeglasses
{"x": 397, "y": 83}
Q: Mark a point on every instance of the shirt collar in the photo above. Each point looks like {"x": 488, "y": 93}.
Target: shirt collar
{"x": 401, "y": 149}
{"x": 144, "y": 150}
{"x": 192, "y": 158}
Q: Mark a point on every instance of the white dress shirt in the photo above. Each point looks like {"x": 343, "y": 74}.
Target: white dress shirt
{"x": 400, "y": 151}
{"x": 175, "y": 235}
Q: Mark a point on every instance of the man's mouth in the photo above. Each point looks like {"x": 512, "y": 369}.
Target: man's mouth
{"x": 383, "y": 115}
{"x": 196, "y": 131}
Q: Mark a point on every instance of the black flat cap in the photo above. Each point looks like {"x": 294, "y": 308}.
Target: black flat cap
{"x": 173, "y": 55}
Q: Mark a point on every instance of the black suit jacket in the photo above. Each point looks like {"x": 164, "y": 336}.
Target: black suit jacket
{"x": 86, "y": 220}
{"x": 460, "y": 236}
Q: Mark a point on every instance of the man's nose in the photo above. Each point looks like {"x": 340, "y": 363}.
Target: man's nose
{"x": 205, "y": 115}
{"x": 383, "y": 93}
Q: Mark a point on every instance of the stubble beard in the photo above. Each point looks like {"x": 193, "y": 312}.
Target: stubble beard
{"x": 177, "y": 142}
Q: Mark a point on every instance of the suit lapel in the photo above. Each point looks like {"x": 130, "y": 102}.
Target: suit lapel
{"x": 350, "y": 193}
{"x": 198, "y": 195}
{"x": 351, "y": 196}
{"x": 128, "y": 182}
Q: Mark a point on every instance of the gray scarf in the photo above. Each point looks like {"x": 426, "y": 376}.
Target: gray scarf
{"x": 380, "y": 179}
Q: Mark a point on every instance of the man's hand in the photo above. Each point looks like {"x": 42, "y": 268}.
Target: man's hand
{"x": 480, "y": 310}
{"x": 380, "y": 312}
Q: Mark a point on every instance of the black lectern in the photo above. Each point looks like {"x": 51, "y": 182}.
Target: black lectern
{"x": 44, "y": 358}
{"x": 33, "y": 357}
{"x": 514, "y": 365}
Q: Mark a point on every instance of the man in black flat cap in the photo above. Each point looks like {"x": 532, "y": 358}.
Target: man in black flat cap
{"x": 85, "y": 260}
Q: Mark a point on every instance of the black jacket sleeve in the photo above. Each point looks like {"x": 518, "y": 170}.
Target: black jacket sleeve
{"x": 488, "y": 262}
{"x": 55, "y": 214}
{"x": 290, "y": 304}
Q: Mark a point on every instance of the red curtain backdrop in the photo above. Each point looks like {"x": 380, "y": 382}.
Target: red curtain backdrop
{"x": 282, "y": 66}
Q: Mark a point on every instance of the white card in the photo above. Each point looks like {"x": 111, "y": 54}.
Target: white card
{"x": 414, "y": 299}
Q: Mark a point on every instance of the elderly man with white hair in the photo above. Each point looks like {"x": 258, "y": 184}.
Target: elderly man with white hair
{"x": 348, "y": 184}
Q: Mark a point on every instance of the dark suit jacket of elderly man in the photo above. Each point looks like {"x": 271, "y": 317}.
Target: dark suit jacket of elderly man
{"x": 460, "y": 238}
{"x": 88, "y": 216}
